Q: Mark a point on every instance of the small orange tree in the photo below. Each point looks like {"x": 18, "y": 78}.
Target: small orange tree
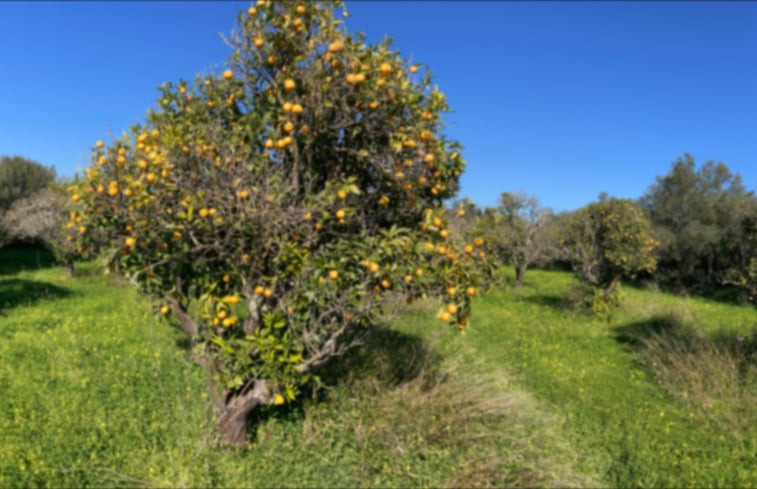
{"x": 607, "y": 241}
{"x": 273, "y": 209}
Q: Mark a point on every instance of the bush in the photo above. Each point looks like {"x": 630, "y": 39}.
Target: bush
{"x": 20, "y": 178}
{"x": 272, "y": 210}
{"x": 607, "y": 241}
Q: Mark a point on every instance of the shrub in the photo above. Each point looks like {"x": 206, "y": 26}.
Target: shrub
{"x": 273, "y": 209}
{"x": 20, "y": 178}
{"x": 607, "y": 241}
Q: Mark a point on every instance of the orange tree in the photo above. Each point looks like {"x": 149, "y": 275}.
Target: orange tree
{"x": 272, "y": 210}
{"x": 607, "y": 241}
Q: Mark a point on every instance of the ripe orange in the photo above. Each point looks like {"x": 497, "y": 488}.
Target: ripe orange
{"x": 297, "y": 109}
{"x": 385, "y": 69}
{"x": 342, "y": 194}
{"x": 258, "y": 41}
{"x": 76, "y": 197}
{"x": 333, "y": 274}
{"x": 452, "y": 308}
{"x": 289, "y": 84}
{"x": 471, "y": 291}
{"x": 300, "y": 10}
{"x": 451, "y": 291}
{"x": 336, "y": 46}
{"x": 99, "y": 144}
{"x": 130, "y": 242}
{"x": 228, "y": 75}
{"x": 340, "y": 214}
{"x": 444, "y": 316}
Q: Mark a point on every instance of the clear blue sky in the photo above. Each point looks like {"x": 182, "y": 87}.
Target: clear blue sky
{"x": 562, "y": 100}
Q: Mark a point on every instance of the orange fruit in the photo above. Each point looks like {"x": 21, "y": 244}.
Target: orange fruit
{"x": 385, "y": 69}
{"x": 228, "y": 75}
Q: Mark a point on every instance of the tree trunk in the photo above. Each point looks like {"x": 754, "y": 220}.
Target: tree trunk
{"x": 520, "y": 272}
{"x": 69, "y": 269}
{"x": 611, "y": 288}
{"x": 233, "y": 422}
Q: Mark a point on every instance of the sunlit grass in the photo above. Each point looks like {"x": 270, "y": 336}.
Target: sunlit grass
{"x": 98, "y": 392}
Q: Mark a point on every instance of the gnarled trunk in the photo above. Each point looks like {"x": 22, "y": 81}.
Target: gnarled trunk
{"x": 232, "y": 422}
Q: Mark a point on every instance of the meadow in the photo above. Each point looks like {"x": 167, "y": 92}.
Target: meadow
{"x": 98, "y": 390}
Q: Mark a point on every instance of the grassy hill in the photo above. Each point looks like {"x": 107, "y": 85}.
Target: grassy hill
{"x": 98, "y": 392}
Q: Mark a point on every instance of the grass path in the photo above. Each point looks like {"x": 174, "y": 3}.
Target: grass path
{"x": 635, "y": 432}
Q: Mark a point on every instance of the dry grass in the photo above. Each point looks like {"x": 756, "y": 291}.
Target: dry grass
{"x": 462, "y": 421}
{"x": 715, "y": 375}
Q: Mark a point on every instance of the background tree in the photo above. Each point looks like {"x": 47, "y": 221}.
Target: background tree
{"x": 705, "y": 219}
{"x": 521, "y": 228}
{"x": 273, "y": 209}
{"x": 607, "y": 241}
{"x": 48, "y": 218}
{"x": 20, "y": 177}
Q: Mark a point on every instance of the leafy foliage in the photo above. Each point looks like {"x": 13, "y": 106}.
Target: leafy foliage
{"x": 20, "y": 178}
{"x": 607, "y": 241}
{"x": 274, "y": 208}
{"x": 519, "y": 232}
{"x": 707, "y": 224}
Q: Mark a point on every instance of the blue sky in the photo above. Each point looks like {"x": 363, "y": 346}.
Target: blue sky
{"x": 560, "y": 99}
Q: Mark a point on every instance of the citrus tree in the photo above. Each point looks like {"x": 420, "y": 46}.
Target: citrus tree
{"x": 607, "y": 241}
{"x": 273, "y": 209}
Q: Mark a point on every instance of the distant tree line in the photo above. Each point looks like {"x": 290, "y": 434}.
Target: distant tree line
{"x": 693, "y": 231}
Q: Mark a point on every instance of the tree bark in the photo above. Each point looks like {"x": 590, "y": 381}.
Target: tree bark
{"x": 611, "y": 288}
{"x": 520, "y": 273}
{"x": 69, "y": 269}
{"x": 233, "y": 423}
{"x": 187, "y": 323}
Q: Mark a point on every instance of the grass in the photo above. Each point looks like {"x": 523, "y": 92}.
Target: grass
{"x": 97, "y": 392}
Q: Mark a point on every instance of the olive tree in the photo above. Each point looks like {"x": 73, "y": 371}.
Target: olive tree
{"x": 273, "y": 209}
{"x": 519, "y": 229}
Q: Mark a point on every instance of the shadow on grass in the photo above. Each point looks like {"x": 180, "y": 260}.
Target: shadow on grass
{"x": 552, "y": 301}
{"x": 387, "y": 356}
{"x": 15, "y": 292}
{"x": 17, "y": 258}
{"x": 670, "y": 333}
{"x": 386, "y": 359}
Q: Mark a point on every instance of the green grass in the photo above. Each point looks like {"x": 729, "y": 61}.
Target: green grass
{"x": 96, "y": 391}
{"x": 633, "y": 421}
